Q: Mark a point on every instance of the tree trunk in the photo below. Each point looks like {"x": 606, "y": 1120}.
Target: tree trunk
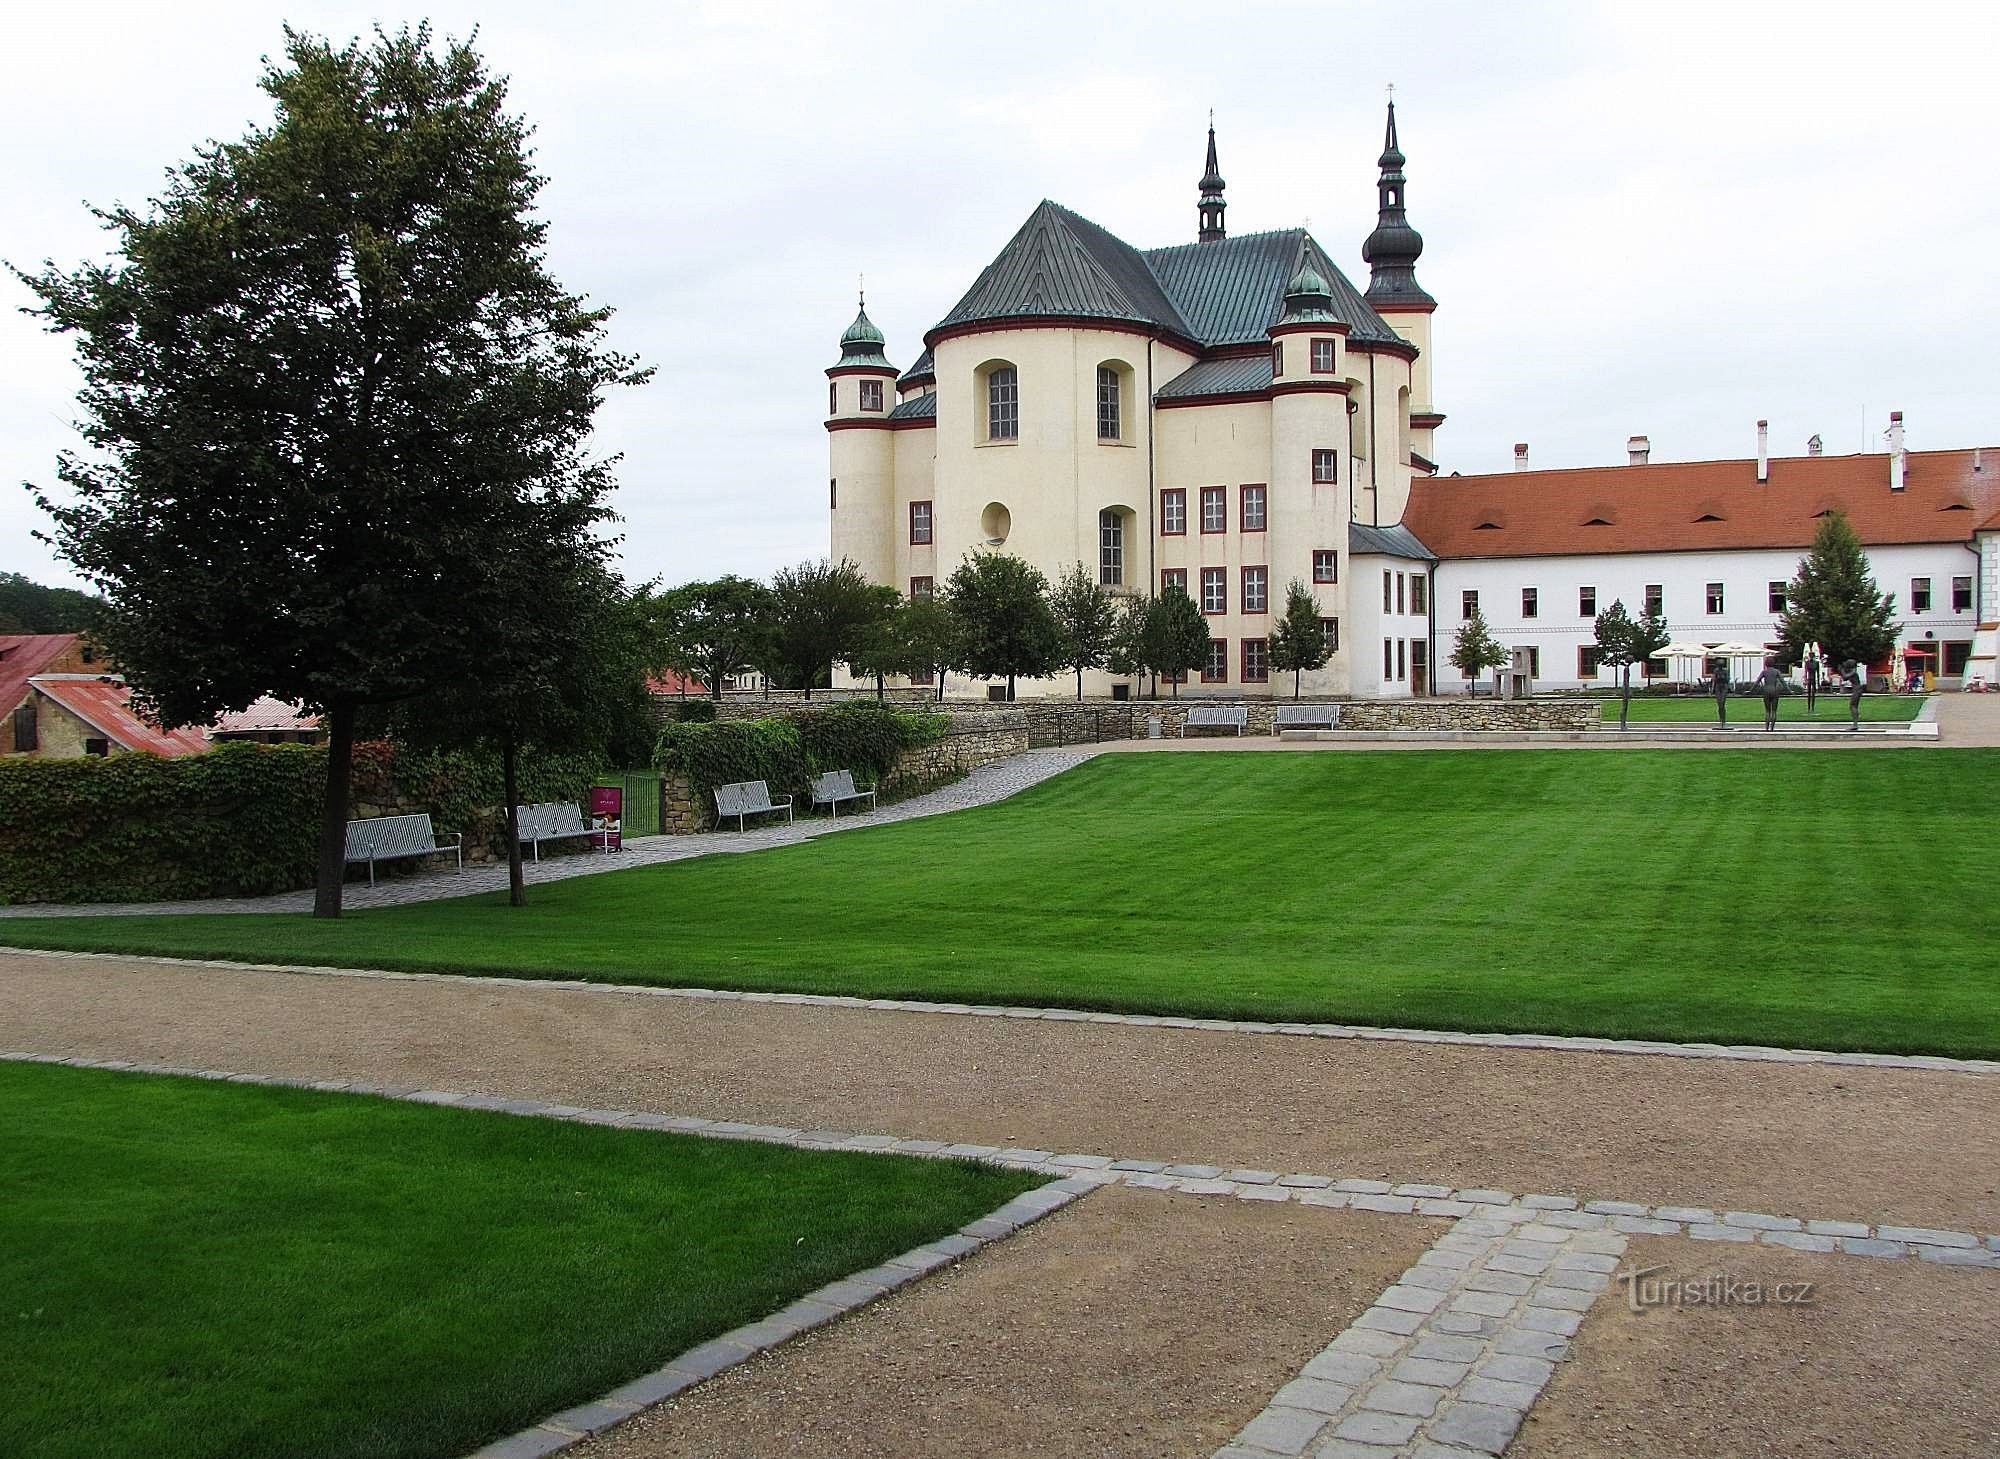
{"x": 1010, "y": 688}
{"x": 517, "y": 881}
{"x": 1079, "y": 683}
{"x": 880, "y": 694}
{"x": 1625, "y": 697}
{"x": 333, "y": 813}
{"x": 1298, "y": 676}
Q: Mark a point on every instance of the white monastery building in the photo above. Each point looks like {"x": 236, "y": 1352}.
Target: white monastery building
{"x": 1231, "y": 415}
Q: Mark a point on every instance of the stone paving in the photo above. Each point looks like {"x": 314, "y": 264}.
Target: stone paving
{"x": 981, "y": 786}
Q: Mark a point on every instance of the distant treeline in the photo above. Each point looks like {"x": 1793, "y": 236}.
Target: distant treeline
{"x": 29, "y": 607}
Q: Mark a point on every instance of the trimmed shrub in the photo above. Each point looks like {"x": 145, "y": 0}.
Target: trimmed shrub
{"x": 240, "y": 820}
{"x": 695, "y": 711}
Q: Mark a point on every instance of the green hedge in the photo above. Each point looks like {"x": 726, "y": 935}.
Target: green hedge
{"x": 240, "y": 820}
{"x": 787, "y": 751}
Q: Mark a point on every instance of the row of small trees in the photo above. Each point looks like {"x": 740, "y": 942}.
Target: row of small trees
{"x": 996, "y": 617}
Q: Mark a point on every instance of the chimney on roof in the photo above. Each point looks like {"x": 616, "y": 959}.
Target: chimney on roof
{"x": 1814, "y": 446}
{"x": 1899, "y": 460}
{"x": 1520, "y": 455}
{"x": 1975, "y": 460}
{"x": 1638, "y": 450}
{"x": 1763, "y": 450}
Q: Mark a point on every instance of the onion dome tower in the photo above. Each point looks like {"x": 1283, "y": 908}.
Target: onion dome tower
{"x": 1212, "y": 205}
{"x": 1393, "y": 249}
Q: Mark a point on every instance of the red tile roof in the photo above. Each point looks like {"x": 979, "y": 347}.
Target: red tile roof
{"x": 24, "y": 655}
{"x": 668, "y": 681}
{"x": 105, "y": 704}
{"x": 1692, "y": 505}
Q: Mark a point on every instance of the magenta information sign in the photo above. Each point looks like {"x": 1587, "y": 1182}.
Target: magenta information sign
{"x": 607, "y": 816}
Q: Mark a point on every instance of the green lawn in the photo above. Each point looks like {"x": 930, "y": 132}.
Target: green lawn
{"x": 1818, "y": 898}
{"x": 1831, "y": 710}
{"x": 195, "y": 1269}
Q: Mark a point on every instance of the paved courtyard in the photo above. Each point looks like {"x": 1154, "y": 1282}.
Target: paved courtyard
{"x": 1346, "y": 1247}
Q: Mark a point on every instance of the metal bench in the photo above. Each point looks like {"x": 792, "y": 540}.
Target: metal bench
{"x": 748, "y": 798}
{"x": 836, "y": 786}
{"x": 1307, "y": 716}
{"x": 1216, "y": 716}
{"x": 552, "y": 821}
{"x": 390, "y": 838}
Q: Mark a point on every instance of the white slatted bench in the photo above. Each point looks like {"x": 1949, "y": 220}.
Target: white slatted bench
{"x": 748, "y": 798}
{"x": 390, "y": 838}
{"x": 1216, "y": 716}
{"x": 551, "y": 821}
{"x": 836, "y": 786}
{"x": 1308, "y": 716}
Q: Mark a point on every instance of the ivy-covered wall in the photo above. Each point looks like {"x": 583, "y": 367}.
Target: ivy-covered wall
{"x": 241, "y": 820}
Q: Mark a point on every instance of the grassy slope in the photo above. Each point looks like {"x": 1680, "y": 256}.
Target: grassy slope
{"x": 1820, "y": 898}
{"x": 1831, "y": 710}
{"x": 205, "y": 1269}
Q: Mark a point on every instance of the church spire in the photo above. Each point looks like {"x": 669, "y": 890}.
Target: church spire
{"x": 1212, "y": 204}
{"x": 1393, "y": 248}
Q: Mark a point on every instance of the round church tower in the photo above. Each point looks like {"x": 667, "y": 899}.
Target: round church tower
{"x": 861, "y": 489}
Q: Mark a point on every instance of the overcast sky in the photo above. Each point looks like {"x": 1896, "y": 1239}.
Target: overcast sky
{"x": 1663, "y": 218}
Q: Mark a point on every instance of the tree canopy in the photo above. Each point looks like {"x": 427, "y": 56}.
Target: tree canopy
{"x": 30, "y": 607}
{"x": 1086, "y": 616}
{"x": 1833, "y": 600}
{"x": 1623, "y": 641}
{"x": 329, "y": 386}
{"x": 1298, "y": 643}
{"x": 716, "y": 630}
{"x": 1475, "y": 650}
{"x": 1008, "y": 631}
{"x": 822, "y": 613}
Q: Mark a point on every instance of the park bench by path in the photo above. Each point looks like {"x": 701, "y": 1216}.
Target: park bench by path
{"x": 391, "y": 838}
{"x": 1308, "y": 716}
{"x": 551, "y": 821}
{"x": 836, "y": 786}
{"x": 1216, "y": 716}
{"x": 748, "y": 798}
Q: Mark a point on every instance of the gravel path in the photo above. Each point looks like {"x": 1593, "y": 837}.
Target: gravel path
{"x": 1880, "y": 1145}
{"x": 1892, "y": 1360}
{"x": 1127, "y": 1325}
{"x": 983, "y": 786}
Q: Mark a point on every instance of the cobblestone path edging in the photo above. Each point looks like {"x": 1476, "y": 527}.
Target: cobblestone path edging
{"x": 1560, "y": 1043}
{"x": 1451, "y": 1356}
{"x": 983, "y": 785}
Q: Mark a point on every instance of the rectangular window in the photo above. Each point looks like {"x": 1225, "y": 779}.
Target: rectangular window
{"x": 1214, "y": 592}
{"x": 1256, "y": 667}
{"x": 833, "y": 397}
{"x": 920, "y": 524}
{"x": 1326, "y": 565}
{"x": 1253, "y": 508}
{"x": 1775, "y": 597}
{"x": 833, "y": 494}
{"x": 1920, "y": 595}
{"x": 1111, "y": 548}
{"x": 1322, "y": 357}
{"x": 871, "y": 394}
{"x": 1402, "y": 597}
{"x": 1216, "y": 670}
{"x": 922, "y": 590}
{"x": 1107, "y": 403}
{"x": 1003, "y": 404}
{"x": 1173, "y": 577}
{"x": 1329, "y": 634}
{"x": 1586, "y": 602}
{"x": 1468, "y": 604}
{"x": 1256, "y": 590}
{"x": 1419, "y": 591}
{"x": 1656, "y": 599}
{"x": 1715, "y": 597}
{"x": 1588, "y": 658}
{"x": 1961, "y": 595}
{"x": 1402, "y": 648}
{"x": 1531, "y": 602}
{"x": 1173, "y": 512}
{"x": 1388, "y": 660}
{"x": 1277, "y": 359}
{"x": 1388, "y": 591}
{"x": 1325, "y": 472}
{"x": 1534, "y": 661}
{"x": 97, "y": 747}
{"x": 27, "y": 737}
{"x": 1214, "y": 509}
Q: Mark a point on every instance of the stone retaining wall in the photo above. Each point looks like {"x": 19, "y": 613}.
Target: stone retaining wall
{"x": 1070, "y": 722}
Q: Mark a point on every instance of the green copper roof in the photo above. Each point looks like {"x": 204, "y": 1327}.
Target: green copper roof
{"x": 862, "y": 343}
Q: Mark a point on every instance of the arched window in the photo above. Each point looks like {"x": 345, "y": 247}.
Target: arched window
{"x": 1003, "y": 404}
{"x": 1109, "y": 388}
{"x": 1111, "y": 547}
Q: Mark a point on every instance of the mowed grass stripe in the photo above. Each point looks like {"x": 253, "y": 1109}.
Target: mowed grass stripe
{"x": 1816, "y": 898}
{"x": 198, "y": 1269}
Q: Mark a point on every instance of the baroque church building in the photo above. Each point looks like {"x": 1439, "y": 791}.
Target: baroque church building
{"x": 1229, "y": 415}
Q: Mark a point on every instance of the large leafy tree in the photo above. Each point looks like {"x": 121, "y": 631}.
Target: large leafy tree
{"x": 1002, "y": 605}
{"x": 1086, "y": 617}
{"x": 29, "y": 607}
{"x": 1179, "y": 638}
{"x": 330, "y": 385}
{"x": 1833, "y": 601}
{"x": 821, "y": 613}
{"x": 1476, "y": 650}
{"x": 1134, "y": 646}
{"x": 716, "y": 630}
{"x": 1624, "y": 641}
{"x": 1298, "y": 643}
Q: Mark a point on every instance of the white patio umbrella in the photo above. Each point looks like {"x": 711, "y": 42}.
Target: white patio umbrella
{"x": 1683, "y": 652}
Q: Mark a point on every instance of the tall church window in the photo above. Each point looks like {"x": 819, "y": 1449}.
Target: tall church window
{"x": 1003, "y": 404}
{"x": 1111, "y": 547}
{"x": 1107, "y": 403}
